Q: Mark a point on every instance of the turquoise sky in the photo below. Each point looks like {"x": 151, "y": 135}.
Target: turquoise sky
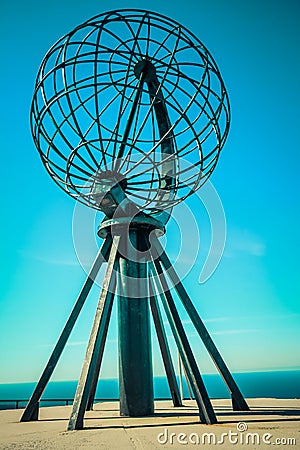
{"x": 251, "y": 303}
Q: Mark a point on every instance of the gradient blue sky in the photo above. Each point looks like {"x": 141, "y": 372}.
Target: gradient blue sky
{"x": 251, "y": 303}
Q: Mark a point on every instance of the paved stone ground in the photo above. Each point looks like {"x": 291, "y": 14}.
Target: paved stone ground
{"x": 270, "y": 423}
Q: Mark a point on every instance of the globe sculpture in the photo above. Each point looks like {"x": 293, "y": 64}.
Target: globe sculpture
{"x": 129, "y": 116}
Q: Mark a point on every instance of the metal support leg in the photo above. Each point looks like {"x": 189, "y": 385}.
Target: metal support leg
{"x": 206, "y": 412}
{"x": 99, "y": 360}
{"x": 96, "y": 342}
{"x": 31, "y": 410}
{"x": 180, "y": 376}
{"x": 135, "y": 362}
{"x": 94, "y": 384}
{"x": 238, "y": 401}
{"x": 164, "y": 348}
{"x": 188, "y": 383}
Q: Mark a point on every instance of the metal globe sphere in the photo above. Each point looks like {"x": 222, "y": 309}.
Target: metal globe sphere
{"x": 134, "y": 94}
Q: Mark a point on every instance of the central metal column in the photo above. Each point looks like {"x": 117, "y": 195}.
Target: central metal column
{"x": 135, "y": 358}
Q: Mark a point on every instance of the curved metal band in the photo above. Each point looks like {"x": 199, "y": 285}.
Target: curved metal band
{"x": 141, "y": 220}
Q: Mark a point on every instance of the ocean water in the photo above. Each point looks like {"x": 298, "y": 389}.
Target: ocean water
{"x": 283, "y": 384}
